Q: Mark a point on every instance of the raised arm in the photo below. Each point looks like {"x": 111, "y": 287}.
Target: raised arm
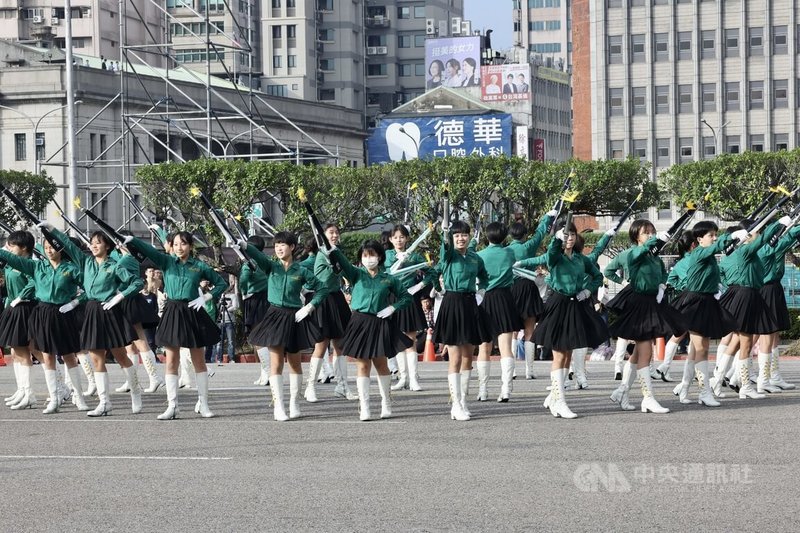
{"x": 160, "y": 259}
{"x": 554, "y": 253}
{"x": 600, "y": 247}
{"x": 263, "y": 262}
{"x": 532, "y": 244}
{"x": 74, "y": 252}
{"x": 23, "y": 264}
{"x": 350, "y": 271}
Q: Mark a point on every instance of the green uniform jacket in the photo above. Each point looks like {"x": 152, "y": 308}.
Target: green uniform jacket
{"x": 410, "y": 279}
{"x": 677, "y": 276}
{"x": 744, "y": 267}
{"x": 284, "y": 285}
{"x": 371, "y": 293}
{"x": 18, "y": 285}
{"x": 498, "y": 260}
{"x": 323, "y": 270}
{"x": 181, "y": 279}
{"x": 646, "y": 270}
{"x": 57, "y": 285}
{"x": 702, "y": 270}
{"x": 252, "y": 280}
{"x": 526, "y": 250}
{"x": 128, "y": 262}
{"x": 570, "y": 275}
{"x": 599, "y": 248}
{"x": 774, "y": 257}
{"x": 460, "y": 271}
{"x": 619, "y": 262}
{"x": 101, "y": 281}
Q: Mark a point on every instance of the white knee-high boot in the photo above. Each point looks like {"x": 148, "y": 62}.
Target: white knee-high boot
{"x": 682, "y": 389}
{"x": 18, "y": 393}
{"x": 506, "y": 375}
{"x": 28, "y": 399}
{"x": 88, "y": 370}
{"x": 53, "y": 403}
{"x": 484, "y": 368}
{"x": 276, "y": 389}
{"x": 104, "y": 406}
{"x": 724, "y": 362}
{"x": 412, "y": 362}
{"x": 579, "y": 365}
{"x": 620, "y": 349}
{"x": 620, "y": 394}
{"x": 465, "y": 377}
{"x": 706, "y": 397}
{"x": 649, "y": 402}
{"x": 402, "y": 368}
{"x": 530, "y": 357}
{"x": 669, "y": 354}
{"x": 136, "y": 389}
{"x": 775, "y": 377}
{"x": 764, "y": 367}
{"x": 362, "y": 384}
{"x": 314, "y": 366}
{"x": 263, "y": 359}
{"x": 171, "y": 384}
{"x": 187, "y": 370}
{"x": 295, "y": 382}
{"x": 74, "y": 374}
{"x": 456, "y": 409}
{"x": 558, "y": 403}
{"x": 149, "y": 362}
{"x": 201, "y": 407}
{"x": 384, "y": 385}
{"x": 342, "y": 389}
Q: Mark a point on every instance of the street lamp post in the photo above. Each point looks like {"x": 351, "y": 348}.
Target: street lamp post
{"x": 714, "y": 133}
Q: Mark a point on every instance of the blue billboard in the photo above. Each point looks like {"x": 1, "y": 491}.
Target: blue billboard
{"x": 402, "y": 139}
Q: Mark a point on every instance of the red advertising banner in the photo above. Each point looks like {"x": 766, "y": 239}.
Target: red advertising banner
{"x": 538, "y": 149}
{"x": 508, "y": 83}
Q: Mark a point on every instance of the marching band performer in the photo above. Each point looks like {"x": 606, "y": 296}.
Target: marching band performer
{"x": 184, "y": 322}
{"x": 285, "y": 329}
{"x": 371, "y": 335}
{"x": 253, "y": 286}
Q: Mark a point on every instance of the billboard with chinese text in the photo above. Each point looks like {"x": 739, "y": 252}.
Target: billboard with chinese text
{"x": 401, "y": 139}
{"x": 452, "y": 62}
{"x": 505, "y": 83}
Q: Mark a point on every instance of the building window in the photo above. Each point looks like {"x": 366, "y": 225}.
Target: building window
{"x": 756, "y": 94}
{"x": 291, "y": 61}
{"x": 709, "y": 149}
{"x": 419, "y": 69}
{"x": 404, "y": 41}
{"x": 732, "y": 42}
{"x": 757, "y": 143}
{"x": 637, "y": 3}
{"x": 404, "y": 70}
{"x": 326, "y": 95}
{"x": 780, "y": 40}
{"x": 637, "y": 48}
{"x": 614, "y": 49}
{"x": 684, "y": 45}
{"x": 687, "y": 149}
{"x": 780, "y": 141}
{"x": 404, "y": 12}
{"x": 732, "y": 144}
{"x": 291, "y": 31}
{"x": 661, "y": 46}
{"x": 20, "y": 148}
{"x": 325, "y": 5}
{"x": 328, "y": 65}
{"x": 277, "y": 61}
{"x": 327, "y": 35}
{"x": 665, "y": 210}
{"x": 732, "y": 96}
{"x": 615, "y": 102}
{"x": 419, "y": 12}
{"x": 377, "y": 69}
{"x": 755, "y": 42}
{"x": 640, "y": 149}
{"x": 708, "y": 50}
{"x": 662, "y": 152}
{"x": 662, "y": 99}
{"x": 92, "y": 143}
{"x": 614, "y": 3}
{"x": 616, "y": 150}
{"x": 639, "y": 100}
{"x": 780, "y": 93}
{"x": 276, "y": 32}
{"x": 103, "y": 146}
{"x": 277, "y": 90}
{"x": 419, "y": 41}
{"x": 685, "y": 98}
{"x": 709, "y": 96}
{"x": 39, "y": 146}
{"x": 276, "y": 4}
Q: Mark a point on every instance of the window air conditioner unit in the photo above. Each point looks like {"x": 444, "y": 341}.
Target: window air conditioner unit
{"x": 455, "y": 26}
{"x": 430, "y": 26}
{"x": 39, "y": 141}
{"x": 372, "y": 50}
{"x": 54, "y": 22}
{"x": 37, "y": 19}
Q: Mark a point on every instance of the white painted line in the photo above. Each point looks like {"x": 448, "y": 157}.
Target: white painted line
{"x": 105, "y": 420}
{"x": 115, "y": 457}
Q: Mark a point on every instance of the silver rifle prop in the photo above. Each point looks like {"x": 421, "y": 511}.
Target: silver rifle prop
{"x": 73, "y": 226}
{"x": 408, "y": 269}
{"x": 414, "y": 245}
{"x": 523, "y": 273}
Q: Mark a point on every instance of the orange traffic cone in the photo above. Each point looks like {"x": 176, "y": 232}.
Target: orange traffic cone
{"x": 2, "y": 358}
{"x": 660, "y": 348}
{"x": 430, "y": 351}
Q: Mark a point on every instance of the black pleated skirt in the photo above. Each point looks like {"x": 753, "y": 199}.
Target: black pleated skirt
{"x": 502, "y": 311}
{"x": 368, "y": 337}
{"x": 527, "y": 298}
{"x": 775, "y": 299}
{"x": 14, "y": 324}
{"x": 254, "y": 309}
{"x": 704, "y": 315}
{"x": 568, "y": 324}
{"x": 749, "y": 310}
{"x": 461, "y": 321}
{"x": 105, "y": 330}
{"x": 644, "y": 319}
{"x": 332, "y": 315}
{"x": 411, "y": 317}
{"x": 52, "y": 331}
{"x": 279, "y": 329}
{"x": 617, "y": 304}
{"x": 183, "y": 327}
{"x": 138, "y": 311}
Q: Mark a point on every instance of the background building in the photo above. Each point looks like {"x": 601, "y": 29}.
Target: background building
{"x": 671, "y": 82}
{"x": 543, "y": 28}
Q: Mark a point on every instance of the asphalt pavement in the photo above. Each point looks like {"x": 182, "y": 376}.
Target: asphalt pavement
{"x": 513, "y": 467}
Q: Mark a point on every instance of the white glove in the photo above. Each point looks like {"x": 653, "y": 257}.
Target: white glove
{"x": 127, "y": 239}
{"x": 739, "y": 235}
{"x": 517, "y": 264}
{"x": 611, "y": 232}
{"x": 584, "y": 294}
{"x": 401, "y": 256}
{"x": 386, "y": 312}
{"x": 303, "y": 312}
{"x": 198, "y": 302}
{"x": 663, "y": 236}
{"x": 660, "y": 295}
{"x": 154, "y": 227}
{"x": 560, "y": 235}
{"x": 242, "y": 244}
{"x": 551, "y": 213}
{"x": 720, "y": 290}
{"x": 785, "y": 220}
{"x": 445, "y": 226}
{"x": 66, "y": 308}
{"x": 327, "y": 252}
{"x": 15, "y": 301}
{"x": 44, "y": 225}
{"x": 414, "y": 289}
{"x": 113, "y": 301}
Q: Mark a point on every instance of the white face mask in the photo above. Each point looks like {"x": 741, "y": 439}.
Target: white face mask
{"x": 369, "y": 262}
